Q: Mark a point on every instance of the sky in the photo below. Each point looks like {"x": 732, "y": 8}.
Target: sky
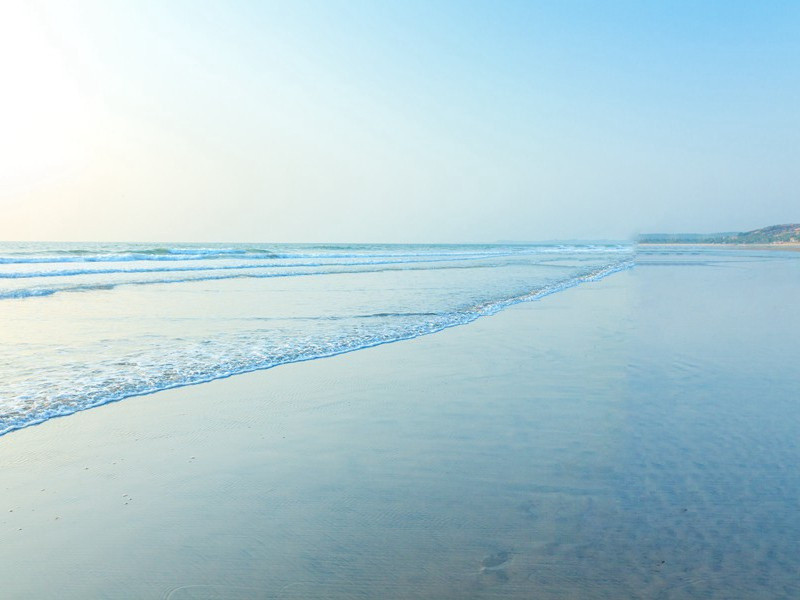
{"x": 407, "y": 121}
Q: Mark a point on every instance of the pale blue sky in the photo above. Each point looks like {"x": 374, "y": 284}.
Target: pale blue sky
{"x": 396, "y": 121}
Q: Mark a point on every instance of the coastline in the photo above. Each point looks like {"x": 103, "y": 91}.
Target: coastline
{"x": 600, "y": 442}
{"x": 369, "y": 474}
{"x": 791, "y": 246}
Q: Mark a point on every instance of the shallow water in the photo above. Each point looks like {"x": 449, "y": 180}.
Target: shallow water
{"x": 86, "y": 324}
{"x": 635, "y": 439}
{"x": 645, "y": 447}
{"x": 629, "y": 438}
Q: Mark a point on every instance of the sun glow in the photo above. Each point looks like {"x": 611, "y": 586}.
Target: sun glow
{"x": 44, "y": 113}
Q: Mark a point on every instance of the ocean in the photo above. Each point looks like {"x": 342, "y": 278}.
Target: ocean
{"x": 85, "y": 324}
{"x": 632, "y": 434}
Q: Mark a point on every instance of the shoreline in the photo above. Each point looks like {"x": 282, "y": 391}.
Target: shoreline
{"x": 377, "y": 473}
{"x": 466, "y": 319}
{"x": 601, "y": 442}
{"x": 791, "y": 246}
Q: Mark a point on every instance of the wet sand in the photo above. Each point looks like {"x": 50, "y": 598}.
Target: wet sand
{"x": 629, "y": 438}
{"x": 782, "y": 246}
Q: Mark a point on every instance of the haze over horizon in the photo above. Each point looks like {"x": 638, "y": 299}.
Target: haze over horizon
{"x": 395, "y": 121}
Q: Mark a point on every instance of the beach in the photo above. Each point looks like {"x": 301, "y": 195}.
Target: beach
{"x": 367, "y": 301}
{"x": 778, "y": 246}
{"x": 632, "y": 437}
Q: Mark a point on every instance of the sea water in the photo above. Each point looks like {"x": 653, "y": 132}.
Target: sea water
{"x": 630, "y": 438}
{"x": 85, "y": 324}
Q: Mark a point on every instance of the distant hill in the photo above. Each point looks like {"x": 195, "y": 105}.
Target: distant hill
{"x": 774, "y": 234}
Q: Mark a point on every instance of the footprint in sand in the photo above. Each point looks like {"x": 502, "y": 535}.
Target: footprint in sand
{"x": 495, "y": 564}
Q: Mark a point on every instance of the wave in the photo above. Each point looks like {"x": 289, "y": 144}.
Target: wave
{"x": 189, "y": 254}
{"x": 38, "y": 292}
{"x": 203, "y": 251}
{"x": 155, "y": 254}
{"x": 79, "y": 272}
{"x": 232, "y": 361}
